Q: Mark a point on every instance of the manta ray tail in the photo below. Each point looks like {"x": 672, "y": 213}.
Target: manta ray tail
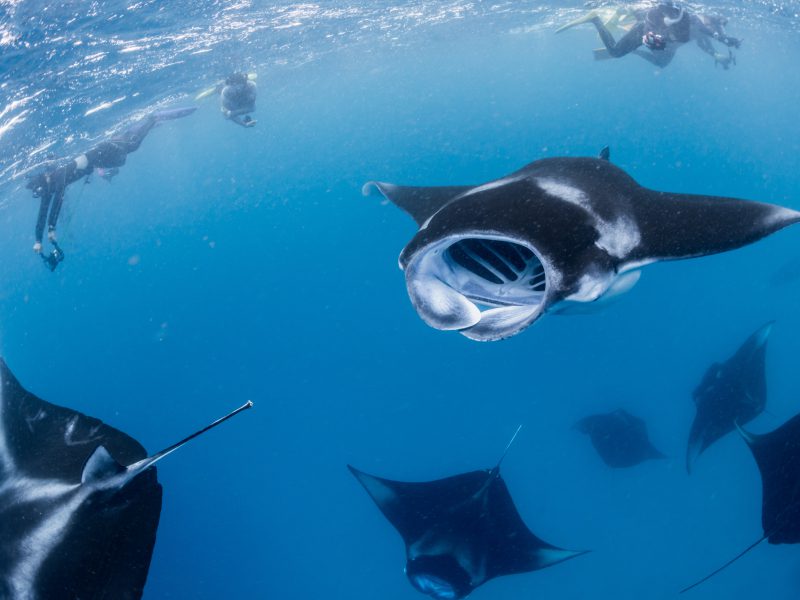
{"x": 726, "y": 565}
{"x": 151, "y": 460}
{"x": 495, "y": 472}
{"x": 508, "y": 447}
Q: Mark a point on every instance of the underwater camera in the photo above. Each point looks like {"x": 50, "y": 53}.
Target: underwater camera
{"x": 52, "y": 260}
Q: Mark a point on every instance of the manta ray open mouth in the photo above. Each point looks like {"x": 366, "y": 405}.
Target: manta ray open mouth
{"x": 450, "y": 281}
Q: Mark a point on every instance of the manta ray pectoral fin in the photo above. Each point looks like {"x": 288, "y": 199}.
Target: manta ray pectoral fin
{"x": 621, "y": 284}
{"x": 503, "y": 322}
{"x": 762, "y": 335}
{"x": 377, "y": 488}
{"x": 99, "y": 466}
{"x": 439, "y": 305}
{"x": 419, "y": 202}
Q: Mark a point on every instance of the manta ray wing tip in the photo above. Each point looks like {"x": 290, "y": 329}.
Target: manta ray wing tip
{"x": 369, "y": 188}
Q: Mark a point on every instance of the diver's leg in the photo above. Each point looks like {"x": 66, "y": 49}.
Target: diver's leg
{"x": 130, "y": 139}
{"x": 55, "y": 210}
{"x": 659, "y": 58}
{"x": 44, "y": 205}
{"x": 626, "y": 44}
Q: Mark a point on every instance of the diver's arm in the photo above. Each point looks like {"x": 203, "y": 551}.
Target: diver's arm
{"x": 730, "y": 42}
{"x": 704, "y": 43}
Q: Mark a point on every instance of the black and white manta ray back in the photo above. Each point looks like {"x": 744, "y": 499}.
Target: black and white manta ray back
{"x": 460, "y": 531}
{"x": 74, "y": 521}
{"x": 489, "y": 260}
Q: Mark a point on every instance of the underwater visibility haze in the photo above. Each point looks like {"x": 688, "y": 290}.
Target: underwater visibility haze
{"x": 223, "y": 264}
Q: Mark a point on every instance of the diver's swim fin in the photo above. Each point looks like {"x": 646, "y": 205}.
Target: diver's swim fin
{"x": 210, "y": 91}
{"x": 585, "y": 18}
{"x": 601, "y": 54}
{"x": 173, "y": 113}
{"x": 215, "y": 89}
{"x": 618, "y": 20}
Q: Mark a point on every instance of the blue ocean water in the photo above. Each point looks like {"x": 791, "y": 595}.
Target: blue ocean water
{"x": 225, "y": 264}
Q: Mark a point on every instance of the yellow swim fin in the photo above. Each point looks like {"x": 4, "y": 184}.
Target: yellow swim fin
{"x": 210, "y": 91}
{"x": 618, "y": 20}
{"x": 579, "y": 21}
{"x": 601, "y": 54}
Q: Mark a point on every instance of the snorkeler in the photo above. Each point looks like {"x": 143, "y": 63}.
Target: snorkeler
{"x": 106, "y": 157}
{"x": 661, "y": 29}
{"x": 237, "y": 97}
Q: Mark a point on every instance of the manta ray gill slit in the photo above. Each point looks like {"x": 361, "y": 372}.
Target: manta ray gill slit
{"x": 489, "y": 270}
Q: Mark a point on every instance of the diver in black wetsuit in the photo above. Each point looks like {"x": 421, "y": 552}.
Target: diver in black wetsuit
{"x": 662, "y": 29}
{"x": 238, "y": 98}
{"x": 108, "y": 155}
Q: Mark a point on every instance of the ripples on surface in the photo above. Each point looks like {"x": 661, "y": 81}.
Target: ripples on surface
{"x": 71, "y": 72}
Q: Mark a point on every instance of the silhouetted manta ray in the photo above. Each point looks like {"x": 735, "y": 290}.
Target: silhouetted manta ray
{"x": 620, "y": 438}
{"x": 730, "y": 393}
{"x": 558, "y": 230}
{"x": 777, "y": 455}
{"x": 74, "y": 522}
{"x": 460, "y": 531}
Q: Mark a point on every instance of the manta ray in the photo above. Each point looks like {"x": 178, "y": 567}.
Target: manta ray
{"x": 460, "y": 531}
{"x": 777, "y": 455}
{"x": 731, "y": 393}
{"x": 80, "y": 501}
{"x": 619, "y": 438}
{"x": 489, "y": 260}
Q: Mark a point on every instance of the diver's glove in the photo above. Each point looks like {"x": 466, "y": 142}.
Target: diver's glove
{"x": 37, "y": 247}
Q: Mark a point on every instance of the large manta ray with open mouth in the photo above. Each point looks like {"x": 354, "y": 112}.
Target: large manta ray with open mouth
{"x": 489, "y": 260}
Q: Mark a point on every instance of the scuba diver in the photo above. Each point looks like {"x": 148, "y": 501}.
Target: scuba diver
{"x": 106, "y": 158}
{"x": 661, "y": 29}
{"x": 237, "y": 97}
